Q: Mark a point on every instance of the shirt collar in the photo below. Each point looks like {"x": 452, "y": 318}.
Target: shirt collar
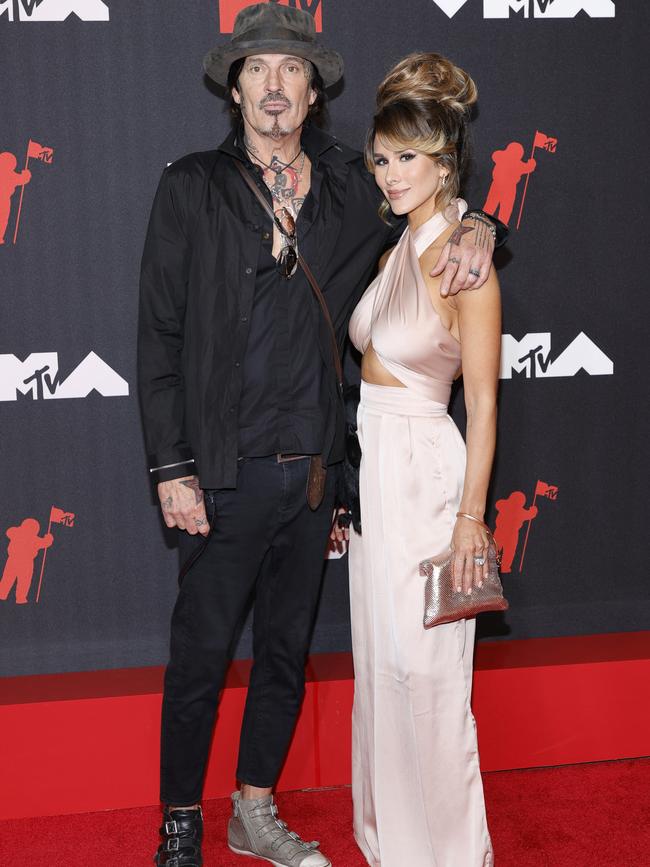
{"x": 318, "y": 145}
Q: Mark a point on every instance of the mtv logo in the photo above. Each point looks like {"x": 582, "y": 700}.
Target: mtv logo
{"x": 534, "y": 8}
{"x": 54, "y": 10}
{"x": 549, "y": 8}
{"x": 228, "y": 10}
{"x": 38, "y": 376}
{"x": 532, "y": 356}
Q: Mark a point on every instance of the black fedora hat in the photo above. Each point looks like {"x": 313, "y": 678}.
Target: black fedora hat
{"x": 268, "y": 28}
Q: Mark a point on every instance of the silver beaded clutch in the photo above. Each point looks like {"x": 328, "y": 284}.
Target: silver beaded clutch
{"x": 442, "y": 604}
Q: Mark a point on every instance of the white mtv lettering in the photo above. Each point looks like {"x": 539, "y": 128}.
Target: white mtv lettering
{"x": 549, "y": 8}
{"x": 38, "y": 376}
{"x": 531, "y": 355}
{"x": 570, "y": 8}
{"x": 93, "y": 374}
{"x": 501, "y": 8}
{"x": 581, "y": 354}
{"x": 515, "y": 354}
{"x": 535, "y": 8}
{"x": 26, "y": 376}
{"x": 54, "y": 10}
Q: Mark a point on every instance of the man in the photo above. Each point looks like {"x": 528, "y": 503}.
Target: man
{"x": 241, "y": 405}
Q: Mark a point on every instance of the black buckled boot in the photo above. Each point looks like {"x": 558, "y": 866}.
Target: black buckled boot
{"x": 182, "y": 833}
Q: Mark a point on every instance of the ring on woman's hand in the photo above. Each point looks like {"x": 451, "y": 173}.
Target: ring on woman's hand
{"x": 475, "y": 272}
{"x": 480, "y": 561}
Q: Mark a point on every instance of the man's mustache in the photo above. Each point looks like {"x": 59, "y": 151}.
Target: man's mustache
{"x": 278, "y": 96}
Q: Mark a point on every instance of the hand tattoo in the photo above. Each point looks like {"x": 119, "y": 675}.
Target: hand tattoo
{"x": 458, "y": 234}
{"x": 193, "y": 483}
{"x": 484, "y": 233}
{"x": 200, "y": 522}
{"x": 166, "y": 504}
{"x": 481, "y": 237}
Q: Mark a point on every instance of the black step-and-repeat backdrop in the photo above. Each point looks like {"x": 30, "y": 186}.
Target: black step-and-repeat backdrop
{"x": 98, "y": 96}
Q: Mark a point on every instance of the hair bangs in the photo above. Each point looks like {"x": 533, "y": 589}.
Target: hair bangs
{"x": 401, "y": 126}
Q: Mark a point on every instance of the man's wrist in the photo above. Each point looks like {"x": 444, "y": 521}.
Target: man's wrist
{"x": 173, "y": 470}
{"x": 479, "y": 218}
{"x": 499, "y": 229}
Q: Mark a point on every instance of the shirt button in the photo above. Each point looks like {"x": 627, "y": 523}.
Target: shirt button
{"x": 237, "y": 364}
{"x": 249, "y": 270}
{"x": 231, "y": 410}
{"x": 266, "y": 236}
{"x": 244, "y": 319}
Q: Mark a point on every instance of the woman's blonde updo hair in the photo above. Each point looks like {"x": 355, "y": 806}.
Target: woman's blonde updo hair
{"x": 423, "y": 103}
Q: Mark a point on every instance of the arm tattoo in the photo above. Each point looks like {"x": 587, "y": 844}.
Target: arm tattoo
{"x": 166, "y": 504}
{"x": 193, "y": 483}
{"x": 458, "y": 234}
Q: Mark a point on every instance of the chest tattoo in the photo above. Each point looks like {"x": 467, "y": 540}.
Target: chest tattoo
{"x": 284, "y": 184}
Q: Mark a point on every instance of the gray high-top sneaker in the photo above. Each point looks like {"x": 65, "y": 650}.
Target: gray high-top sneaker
{"x": 256, "y": 831}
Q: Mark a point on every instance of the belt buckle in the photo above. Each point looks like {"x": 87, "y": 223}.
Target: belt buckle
{"x": 283, "y": 458}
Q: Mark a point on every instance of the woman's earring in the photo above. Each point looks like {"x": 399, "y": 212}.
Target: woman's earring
{"x": 445, "y": 178}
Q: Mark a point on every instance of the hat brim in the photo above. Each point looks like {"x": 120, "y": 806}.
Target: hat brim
{"x": 217, "y": 62}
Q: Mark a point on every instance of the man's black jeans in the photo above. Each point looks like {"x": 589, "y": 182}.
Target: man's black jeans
{"x": 266, "y": 542}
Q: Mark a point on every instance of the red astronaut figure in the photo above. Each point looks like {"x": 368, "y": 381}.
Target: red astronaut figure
{"x": 9, "y": 180}
{"x": 24, "y": 545}
{"x": 509, "y": 168}
{"x": 511, "y": 515}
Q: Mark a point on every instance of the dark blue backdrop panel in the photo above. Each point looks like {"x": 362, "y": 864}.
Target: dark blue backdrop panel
{"x": 100, "y": 106}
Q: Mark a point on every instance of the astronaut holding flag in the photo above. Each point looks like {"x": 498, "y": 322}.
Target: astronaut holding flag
{"x": 57, "y": 516}
{"x": 35, "y": 151}
{"x": 24, "y": 546}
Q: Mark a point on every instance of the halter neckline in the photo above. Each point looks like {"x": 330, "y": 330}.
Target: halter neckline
{"x": 425, "y": 234}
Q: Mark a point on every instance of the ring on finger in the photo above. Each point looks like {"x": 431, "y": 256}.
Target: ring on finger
{"x": 475, "y": 272}
{"x": 479, "y": 561}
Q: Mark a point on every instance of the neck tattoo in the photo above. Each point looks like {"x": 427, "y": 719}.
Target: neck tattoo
{"x": 276, "y": 165}
{"x": 285, "y": 182}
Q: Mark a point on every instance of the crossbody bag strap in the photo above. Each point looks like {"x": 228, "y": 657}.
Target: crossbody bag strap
{"x": 305, "y": 267}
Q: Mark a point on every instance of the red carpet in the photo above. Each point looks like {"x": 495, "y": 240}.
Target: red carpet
{"x": 573, "y": 816}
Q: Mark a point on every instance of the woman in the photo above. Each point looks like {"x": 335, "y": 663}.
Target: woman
{"x": 418, "y": 797}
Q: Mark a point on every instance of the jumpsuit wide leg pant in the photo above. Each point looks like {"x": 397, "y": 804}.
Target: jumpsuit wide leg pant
{"x": 416, "y": 782}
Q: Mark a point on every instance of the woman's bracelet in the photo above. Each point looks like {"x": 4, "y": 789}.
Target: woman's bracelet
{"x": 472, "y": 518}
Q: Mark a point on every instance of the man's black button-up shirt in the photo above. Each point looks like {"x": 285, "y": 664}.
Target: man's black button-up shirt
{"x": 204, "y": 273}
{"x": 284, "y": 379}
